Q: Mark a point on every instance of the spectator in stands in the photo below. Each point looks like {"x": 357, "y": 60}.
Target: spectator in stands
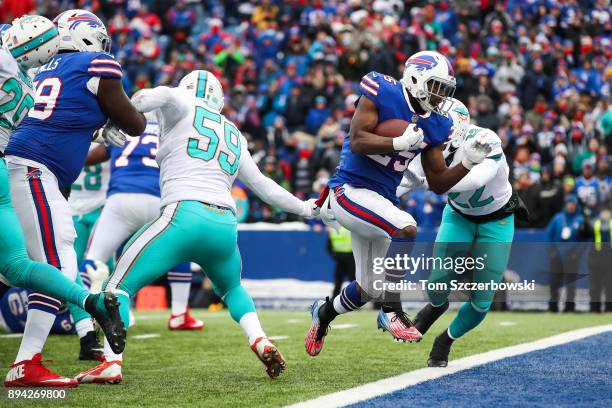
{"x": 564, "y": 232}
{"x": 588, "y": 190}
{"x": 316, "y": 115}
{"x": 600, "y": 259}
{"x": 544, "y": 198}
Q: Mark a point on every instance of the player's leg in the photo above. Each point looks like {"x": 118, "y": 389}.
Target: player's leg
{"x": 29, "y": 187}
{"x": 220, "y": 259}
{"x": 367, "y": 209}
{"x": 148, "y": 255}
{"x": 179, "y": 279}
{"x": 454, "y": 239}
{"x": 492, "y": 244}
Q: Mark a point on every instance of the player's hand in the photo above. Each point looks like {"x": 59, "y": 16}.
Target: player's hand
{"x": 411, "y": 139}
{"x": 110, "y": 135}
{"x": 476, "y": 151}
{"x": 311, "y": 209}
{"x": 411, "y": 182}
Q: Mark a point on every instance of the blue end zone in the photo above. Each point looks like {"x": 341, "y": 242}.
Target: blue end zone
{"x": 577, "y": 374}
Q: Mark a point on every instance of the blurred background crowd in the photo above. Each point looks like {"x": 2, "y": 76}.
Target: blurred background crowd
{"x": 538, "y": 72}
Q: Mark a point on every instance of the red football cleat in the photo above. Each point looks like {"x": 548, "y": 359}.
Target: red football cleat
{"x": 184, "y": 321}
{"x": 317, "y": 331}
{"x": 31, "y": 373}
{"x": 269, "y": 355}
{"x": 399, "y": 326}
{"x": 107, "y": 372}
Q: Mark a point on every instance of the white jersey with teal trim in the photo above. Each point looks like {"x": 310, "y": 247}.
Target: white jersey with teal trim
{"x": 88, "y": 192}
{"x": 201, "y": 153}
{"x": 492, "y": 196}
{"x": 16, "y": 96}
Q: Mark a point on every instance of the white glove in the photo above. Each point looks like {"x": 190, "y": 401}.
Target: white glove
{"x": 311, "y": 209}
{"x": 110, "y": 135}
{"x": 411, "y": 139}
{"x": 476, "y": 151}
{"x": 97, "y": 275}
{"x": 411, "y": 182}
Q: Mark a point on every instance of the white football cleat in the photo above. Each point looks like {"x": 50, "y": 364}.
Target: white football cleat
{"x": 269, "y": 355}
{"x": 107, "y": 372}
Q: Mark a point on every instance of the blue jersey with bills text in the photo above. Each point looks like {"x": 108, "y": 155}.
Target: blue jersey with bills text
{"x": 382, "y": 173}
{"x": 133, "y": 166}
{"x": 14, "y": 312}
{"x": 59, "y": 128}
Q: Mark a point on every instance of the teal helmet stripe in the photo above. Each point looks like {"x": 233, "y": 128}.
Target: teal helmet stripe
{"x": 34, "y": 43}
{"x": 201, "y": 88}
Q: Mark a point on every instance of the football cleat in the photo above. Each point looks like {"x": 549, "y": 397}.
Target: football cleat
{"x": 107, "y": 372}
{"x": 108, "y": 319}
{"x": 269, "y": 355}
{"x": 317, "y": 332}
{"x": 32, "y": 373}
{"x": 438, "y": 356}
{"x": 399, "y": 326}
{"x": 184, "y": 321}
{"x": 428, "y": 316}
{"x": 91, "y": 349}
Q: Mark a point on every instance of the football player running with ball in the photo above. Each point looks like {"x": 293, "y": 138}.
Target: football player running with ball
{"x": 478, "y": 221}
{"x": 31, "y": 42}
{"x": 200, "y": 155}
{"x": 362, "y": 192}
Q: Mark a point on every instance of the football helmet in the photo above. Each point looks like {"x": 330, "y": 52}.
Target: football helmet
{"x": 205, "y": 85}
{"x": 81, "y": 30}
{"x": 31, "y": 40}
{"x": 429, "y": 78}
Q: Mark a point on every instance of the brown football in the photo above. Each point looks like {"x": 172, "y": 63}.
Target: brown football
{"x": 391, "y": 128}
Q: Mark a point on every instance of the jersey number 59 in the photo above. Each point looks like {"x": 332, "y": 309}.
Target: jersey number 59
{"x": 210, "y": 145}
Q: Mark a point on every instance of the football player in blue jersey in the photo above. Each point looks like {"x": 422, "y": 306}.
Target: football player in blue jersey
{"x": 77, "y": 92}
{"x": 31, "y": 42}
{"x": 371, "y": 166}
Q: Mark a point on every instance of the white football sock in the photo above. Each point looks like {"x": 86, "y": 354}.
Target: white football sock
{"x": 37, "y": 328}
{"x": 251, "y": 326}
{"x": 180, "y": 296}
{"x": 83, "y": 327}
{"x": 109, "y": 355}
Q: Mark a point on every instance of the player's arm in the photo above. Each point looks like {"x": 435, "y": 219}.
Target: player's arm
{"x": 98, "y": 154}
{"x": 266, "y": 189}
{"x": 117, "y": 106}
{"x": 439, "y": 177}
{"x": 363, "y": 140}
{"x": 479, "y": 176}
{"x": 149, "y": 100}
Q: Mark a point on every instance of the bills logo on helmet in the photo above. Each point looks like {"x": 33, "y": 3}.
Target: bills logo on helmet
{"x": 423, "y": 62}
{"x": 85, "y": 17}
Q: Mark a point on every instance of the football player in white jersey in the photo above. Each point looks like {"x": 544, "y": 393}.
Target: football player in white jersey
{"x": 31, "y": 42}
{"x": 87, "y": 197}
{"x": 200, "y": 155}
{"x": 478, "y": 221}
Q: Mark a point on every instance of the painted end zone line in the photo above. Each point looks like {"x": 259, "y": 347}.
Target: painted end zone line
{"x": 388, "y": 385}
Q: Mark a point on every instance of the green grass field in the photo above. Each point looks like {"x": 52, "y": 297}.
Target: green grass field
{"x": 216, "y": 368}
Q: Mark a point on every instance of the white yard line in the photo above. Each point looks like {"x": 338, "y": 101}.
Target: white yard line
{"x": 506, "y": 323}
{"x": 278, "y": 338}
{"x": 343, "y": 326}
{"x": 145, "y": 336}
{"x": 388, "y": 385}
{"x": 11, "y": 335}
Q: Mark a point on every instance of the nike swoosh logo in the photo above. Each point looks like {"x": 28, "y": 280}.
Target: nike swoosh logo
{"x": 64, "y": 380}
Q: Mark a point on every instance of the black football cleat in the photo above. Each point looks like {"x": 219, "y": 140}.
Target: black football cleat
{"x": 91, "y": 349}
{"x": 438, "y": 356}
{"x": 108, "y": 319}
{"x": 427, "y": 316}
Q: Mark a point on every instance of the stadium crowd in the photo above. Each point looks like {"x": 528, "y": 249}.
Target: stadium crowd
{"x": 538, "y": 72}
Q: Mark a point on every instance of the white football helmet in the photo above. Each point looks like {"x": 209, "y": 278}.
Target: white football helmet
{"x": 32, "y": 41}
{"x": 81, "y": 30}
{"x": 427, "y": 75}
{"x": 461, "y": 122}
{"x": 205, "y": 85}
